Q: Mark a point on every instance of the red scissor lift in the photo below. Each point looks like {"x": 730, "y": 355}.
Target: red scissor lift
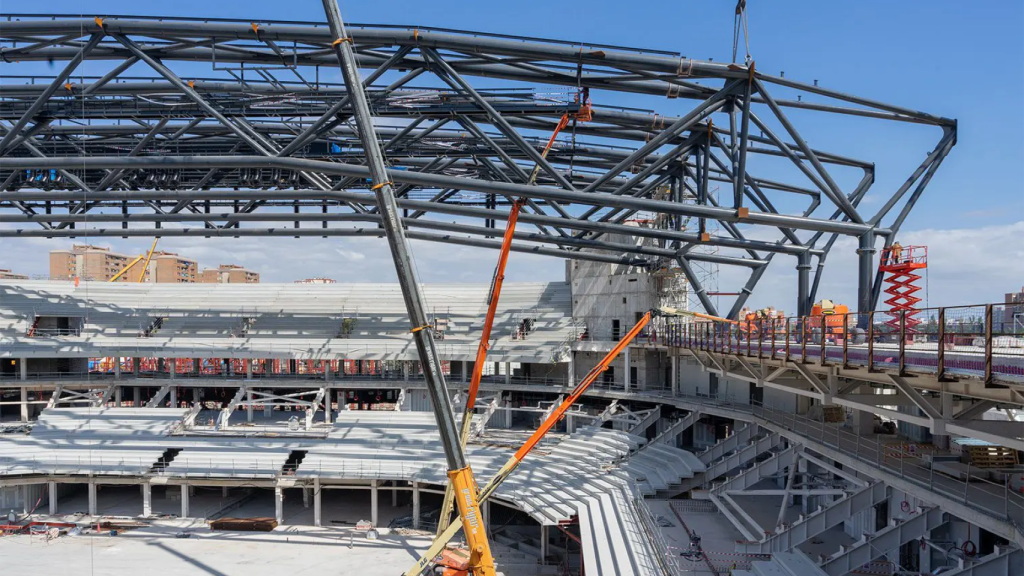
{"x": 900, "y": 264}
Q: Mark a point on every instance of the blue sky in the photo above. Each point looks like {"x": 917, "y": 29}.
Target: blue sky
{"x": 956, "y": 59}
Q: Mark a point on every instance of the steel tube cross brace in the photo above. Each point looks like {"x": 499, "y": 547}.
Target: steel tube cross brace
{"x": 938, "y": 422}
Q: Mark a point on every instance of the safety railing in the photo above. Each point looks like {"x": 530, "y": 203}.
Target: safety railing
{"x": 666, "y": 558}
{"x": 982, "y": 341}
{"x": 972, "y": 487}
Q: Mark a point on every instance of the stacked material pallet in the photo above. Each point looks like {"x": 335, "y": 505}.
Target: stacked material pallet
{"x": 244, "y": 524}
{"x": 993, "y": 456}
{"x": 834, "y": 414}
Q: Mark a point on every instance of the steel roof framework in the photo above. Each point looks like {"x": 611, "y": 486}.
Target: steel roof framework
{"x": 262, "y": 141}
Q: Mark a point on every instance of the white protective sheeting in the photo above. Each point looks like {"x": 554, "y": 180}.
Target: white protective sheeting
{"x": 356, "y": 321}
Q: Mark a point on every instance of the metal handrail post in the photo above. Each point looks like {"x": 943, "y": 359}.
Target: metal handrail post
{"x": 903, "y": 344}
{"x": 787, "y": 339}
{"x": 988, "y": 344}
{"x": 774, "y": 328}
{"x": 748, "y": 337}
{"x": 846, "y": 340}
{"x": 803, "y": 339}
{"x": 824, "y": 338}
{"x": 941, "y": 357}
{"x": 871, "y": 341}
{"x": 760, "y": 338}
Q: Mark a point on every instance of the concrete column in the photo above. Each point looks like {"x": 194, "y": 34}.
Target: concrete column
{"x": 508, "y": 373}
{"x": 117, "y": 396}
{"x": 136, "y": 397}
{"x": 136, "y": 366}
{"x": 174, "y": 396}
{"x": 675, "y": 375}
{"x": 305, "y": 497}
{"x": 863, "y": 422}
{"x": 117, "y": 368}
{"x": 415, "y": 505}
{"x": 625, "y": 372}
{"x": 195, "y": 396}
{"x": 571, "y": 369}
{"x": 147, "y": 499}
{"x": 394, "y": 495}
{"x": 279, "y": 504}
{"x": 92, "y": 497}
{"x": 373, "y": 503}
{"x": 248, "y": 368}
{"x": 405, "y": 370}
{"x": 317, "y": 502}
{"x": 223, "y": 491}
{"x": 23, "y": 368}
{"x": 24, "y": 404}
{"x": 25, "y": 506}
{"x": 172, "y": 368}
{"x": 327, "y": 406}
{"x": 248, "y": 408}
{"x": 184, "y": 500}
{"x": 465, "y": 368}
{"x": 197, "y": 366}
{"x": 543, "y": 543}
{"x": 53, "y": 497}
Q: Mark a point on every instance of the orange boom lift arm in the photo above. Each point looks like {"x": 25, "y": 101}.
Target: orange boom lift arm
{"x": 556, "y": 415}
{"x": 492, "y": 302}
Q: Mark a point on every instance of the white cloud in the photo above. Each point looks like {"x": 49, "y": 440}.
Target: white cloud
{"x": 966, "y": 266}
{"x": 350, "y": 255}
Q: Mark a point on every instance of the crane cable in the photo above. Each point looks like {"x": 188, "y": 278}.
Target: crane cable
{"x": 740, "y": 21}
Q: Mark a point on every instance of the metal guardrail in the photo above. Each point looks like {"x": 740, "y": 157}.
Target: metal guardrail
{"x": 667, "y": 559}
{"x": 1003, "y": 501}
{"x": 980, "y": 341}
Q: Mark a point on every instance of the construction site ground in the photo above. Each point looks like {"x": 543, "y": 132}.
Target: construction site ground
{"x": 295, "y": 547}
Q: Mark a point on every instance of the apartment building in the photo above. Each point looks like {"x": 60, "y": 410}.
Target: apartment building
{"x": 170, "y": 268}
{"x": 88, "y": 262}
{"x": 229, "y": 274}
{"x": 6, "y": 274}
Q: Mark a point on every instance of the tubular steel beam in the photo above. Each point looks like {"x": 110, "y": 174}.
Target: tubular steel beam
{"x": 56, "y": 84}
{"x": 459, "y": 473}
{"x": 464, "y": 148}
{"x": 440, "y": 182}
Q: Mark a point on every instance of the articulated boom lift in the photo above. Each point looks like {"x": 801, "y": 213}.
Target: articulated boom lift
{"x": 437, "y": 548}
{"x": 583, "y": 115}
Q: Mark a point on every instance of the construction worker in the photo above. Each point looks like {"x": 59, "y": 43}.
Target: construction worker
{"x": 896, "y": 253}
